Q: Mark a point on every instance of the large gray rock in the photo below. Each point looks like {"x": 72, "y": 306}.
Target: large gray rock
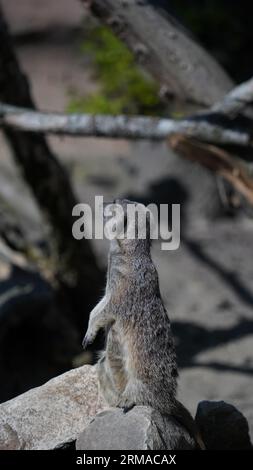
{"x": 49, "y": 416}
{"x": 222, "y": 426}
{"x": 141, "y": 428}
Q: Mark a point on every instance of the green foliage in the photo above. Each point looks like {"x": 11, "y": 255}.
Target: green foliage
{"x": 124, "y": 88}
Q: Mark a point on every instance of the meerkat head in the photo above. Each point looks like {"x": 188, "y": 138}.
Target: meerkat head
{"x": 129, "y": 223}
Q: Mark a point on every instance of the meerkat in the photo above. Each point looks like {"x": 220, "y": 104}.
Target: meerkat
{"x": 138, "y": 366}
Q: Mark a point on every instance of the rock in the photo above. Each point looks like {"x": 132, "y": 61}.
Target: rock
{"x": 141, "y": 428}
{"x": 245, "y": 407}
{"x": 51, "y": 415}
{"x": 222, "y": 426}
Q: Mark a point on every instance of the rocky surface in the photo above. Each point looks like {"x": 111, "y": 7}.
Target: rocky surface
{"x": 68, "y": 412}
{"x": 141, "y": 428}
{"x": 51, "y": 415}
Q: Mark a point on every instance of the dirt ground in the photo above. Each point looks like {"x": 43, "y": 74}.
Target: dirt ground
{"x": 207, "y": 284}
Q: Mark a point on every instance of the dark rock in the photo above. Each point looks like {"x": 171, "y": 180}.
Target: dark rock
{"x": 246, "y": 408}
{"x": 222, "y": 426}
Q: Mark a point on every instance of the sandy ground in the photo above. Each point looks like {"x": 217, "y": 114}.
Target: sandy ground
{"x": 207, "y": 282}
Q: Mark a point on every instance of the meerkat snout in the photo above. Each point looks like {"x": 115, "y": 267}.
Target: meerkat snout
{"x": 131, "y": 222}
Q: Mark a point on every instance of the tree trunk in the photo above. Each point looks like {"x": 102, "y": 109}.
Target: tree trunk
{"x": 76, "y": 267}
{"x": 180, "y": 65}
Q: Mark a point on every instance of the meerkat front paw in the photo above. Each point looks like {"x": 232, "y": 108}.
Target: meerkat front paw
{"x": 88, "y": 339}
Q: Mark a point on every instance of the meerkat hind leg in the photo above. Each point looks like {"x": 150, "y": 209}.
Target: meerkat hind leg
{"x": 135, "y": 393}
{"x": 111, "y": 371}
{"x": 106, "y": 383}
{"x": 128, "y": 408}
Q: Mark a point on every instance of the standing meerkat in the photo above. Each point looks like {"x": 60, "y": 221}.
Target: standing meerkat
{"x": 138, "y": 366}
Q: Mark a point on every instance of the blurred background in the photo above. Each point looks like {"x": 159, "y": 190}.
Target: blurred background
{"x": 73, "y": 63}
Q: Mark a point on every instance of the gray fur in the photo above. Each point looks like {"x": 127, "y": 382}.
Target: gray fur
{"x": 139, "y": 365}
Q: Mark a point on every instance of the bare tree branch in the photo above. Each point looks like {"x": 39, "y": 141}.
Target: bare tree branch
{"x": 238, "y": 100}
{"x": 176, "y": 61}
{"x": 217, "y": 160}
{"x": 138, "y": 127}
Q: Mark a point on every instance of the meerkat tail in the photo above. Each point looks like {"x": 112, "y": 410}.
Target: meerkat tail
{"x": 185, "y": 418}
{"x": 200, "y": 441}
